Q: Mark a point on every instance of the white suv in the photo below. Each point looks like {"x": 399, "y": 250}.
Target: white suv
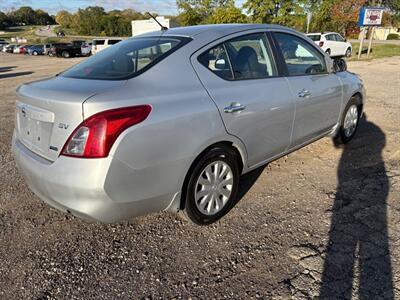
{"x": 332, "y": 43}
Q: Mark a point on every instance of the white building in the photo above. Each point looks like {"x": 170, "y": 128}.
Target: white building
{"x": 144, "y": 26}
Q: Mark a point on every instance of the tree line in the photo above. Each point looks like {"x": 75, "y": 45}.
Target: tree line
{"x": 25, "y": 15}
{"x": 326, "y": 15}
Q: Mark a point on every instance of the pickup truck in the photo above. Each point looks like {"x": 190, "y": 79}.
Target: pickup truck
{"x": 67, "y": 50}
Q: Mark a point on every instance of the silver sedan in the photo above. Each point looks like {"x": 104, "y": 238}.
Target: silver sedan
{"x": 170, "y": 120}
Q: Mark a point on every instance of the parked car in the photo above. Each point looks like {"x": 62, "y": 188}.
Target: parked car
{"x": 52, "y": 50}
{"x": 20, "y": 49}
{"x": 86, "y": 49}
{"x": 9, "y": 48}
{"x": 36, "y": 50}
{"x": 332, "y": 43}
{"x": 170, "y": 120}
{"x": 3, "y": 43}
{"x": 101, "y": 44}
{"x": 67, "y": 50}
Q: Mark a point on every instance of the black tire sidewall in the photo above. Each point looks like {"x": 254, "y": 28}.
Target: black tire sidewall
{"x": 65, "y": 54}
{"x": 190, "y": 209}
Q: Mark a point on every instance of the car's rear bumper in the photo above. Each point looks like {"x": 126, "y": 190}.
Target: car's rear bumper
{"x": 85, "y": 187}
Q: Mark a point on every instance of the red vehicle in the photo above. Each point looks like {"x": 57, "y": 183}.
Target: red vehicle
{"x": 21, "y": 49}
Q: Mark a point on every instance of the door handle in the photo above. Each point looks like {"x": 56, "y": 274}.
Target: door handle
{"x": 234, "y": 107}
{"x": 304, "y": 93}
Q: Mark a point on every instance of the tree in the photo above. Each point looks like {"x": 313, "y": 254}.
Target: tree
{"x": 199, "y": 11}
{"x": 24, "y": 15}
{"x": 345, "y": 15}
{"x": 274, "y": 11}
{"x": 3, "y": 20}
{"x": 228, "y": 14}
{"x": 64, "y": 18}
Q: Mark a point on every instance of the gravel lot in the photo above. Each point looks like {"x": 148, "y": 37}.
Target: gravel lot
{"x": 324, "y": 221}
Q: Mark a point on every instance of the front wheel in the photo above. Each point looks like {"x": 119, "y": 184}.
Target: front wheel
{"x": 349, "y": 123}
{"x": 348, "y": 52}
{"x": 212, "y": 187}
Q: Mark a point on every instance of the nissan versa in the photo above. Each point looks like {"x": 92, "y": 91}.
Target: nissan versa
{"x": 171, "y": 119}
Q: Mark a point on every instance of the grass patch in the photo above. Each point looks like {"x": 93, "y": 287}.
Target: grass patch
{"x": 378, "y": 51}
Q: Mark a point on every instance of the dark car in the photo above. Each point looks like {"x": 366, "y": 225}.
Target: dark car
{"x": 35, "y": 50}
{"x": 67, "y": 50}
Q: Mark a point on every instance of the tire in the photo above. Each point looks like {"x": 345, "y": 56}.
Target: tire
{"x": 35, "y": 53}
{"x": 65, "y": 54}
{"x": 348, "y": 52}
{"x": 203, "y": 210}
{"x": 350, "y": 120}
{"x": 328, "y": 52}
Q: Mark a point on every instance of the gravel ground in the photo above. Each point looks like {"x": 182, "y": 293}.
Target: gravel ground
{"x": 321, "y": 222}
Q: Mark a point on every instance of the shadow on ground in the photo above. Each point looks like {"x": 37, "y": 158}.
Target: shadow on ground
{"x": 16, "y": 74}
{"x": 358, "y": 238}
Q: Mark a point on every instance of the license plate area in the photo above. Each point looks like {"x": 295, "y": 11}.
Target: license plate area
{"x": 34, "y": 127}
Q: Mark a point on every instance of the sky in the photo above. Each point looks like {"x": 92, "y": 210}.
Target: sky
{"x": 165, "y": 7}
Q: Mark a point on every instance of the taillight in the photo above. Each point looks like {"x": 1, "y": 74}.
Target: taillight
{"x": 95, "y": 136}
{"x": 321, "y": 44}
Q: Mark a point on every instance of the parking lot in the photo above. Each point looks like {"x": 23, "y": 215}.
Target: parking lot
{"x": 323, "y": 221}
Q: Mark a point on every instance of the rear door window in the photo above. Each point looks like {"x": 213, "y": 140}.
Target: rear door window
{"x": 315, "y": 37}
{"x": 245, "y": 57}
{"x": 126, "y": 59}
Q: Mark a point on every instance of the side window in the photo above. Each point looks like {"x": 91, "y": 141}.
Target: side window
{"x": 330, "y": 37}
{"x": 216, "y": 60}
{"x": 247, "y": 57}
{"x": 301, "y": 57}
{"x": 250, "y": 57}
{"x": 339, "y": 38}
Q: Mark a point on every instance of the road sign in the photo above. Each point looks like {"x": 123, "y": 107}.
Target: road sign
{"x": 370, "y": 16}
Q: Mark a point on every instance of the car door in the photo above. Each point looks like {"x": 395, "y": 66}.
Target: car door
{"x": 341, "y": 44}
{"x": 255, "y": 103}
{"x": 317, "y": 91}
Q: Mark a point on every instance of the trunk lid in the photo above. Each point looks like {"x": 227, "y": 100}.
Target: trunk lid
{"x": 48, "y": 111}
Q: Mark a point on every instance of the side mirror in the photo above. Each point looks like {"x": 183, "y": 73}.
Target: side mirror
{"x": 339, "y": 65}
{"x": 220, "y": 64}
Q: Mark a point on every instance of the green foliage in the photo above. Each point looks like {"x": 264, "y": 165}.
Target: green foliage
{"x": 195, "y": 12}
{"x": 26, "y": 15}
{"x": 393, "y": 36}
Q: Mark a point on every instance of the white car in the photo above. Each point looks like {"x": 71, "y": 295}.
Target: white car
{"x": 101, "y": 44}
{"x": 332, "y": 43}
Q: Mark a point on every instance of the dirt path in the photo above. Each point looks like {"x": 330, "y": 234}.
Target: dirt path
{"x": 322, "y": 221}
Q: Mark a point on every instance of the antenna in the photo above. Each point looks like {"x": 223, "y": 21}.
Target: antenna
{"x": 163, "y": 28}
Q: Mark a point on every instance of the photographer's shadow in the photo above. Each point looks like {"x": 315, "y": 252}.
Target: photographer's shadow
{"x": 358, "y": 238}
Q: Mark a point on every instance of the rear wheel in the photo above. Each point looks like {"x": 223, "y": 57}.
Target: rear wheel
{"x": 349, "y": 123}
{"x": 211, "y": 189}
{"x": 65, "y": 54}
{"x": 35, "y": 53}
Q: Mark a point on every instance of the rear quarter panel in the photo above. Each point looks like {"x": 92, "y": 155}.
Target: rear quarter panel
{"x": 159, "y": 151}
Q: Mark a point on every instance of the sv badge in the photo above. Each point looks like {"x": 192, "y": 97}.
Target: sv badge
{"x": 63, "y": 126}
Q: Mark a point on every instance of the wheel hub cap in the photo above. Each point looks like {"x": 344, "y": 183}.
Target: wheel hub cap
{"x": 214, "y": 187}
{"x": 350, "y": 121}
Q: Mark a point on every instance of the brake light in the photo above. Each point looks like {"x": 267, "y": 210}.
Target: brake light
{"x": 95, "y": 136}
{"x": 321, "y": 44}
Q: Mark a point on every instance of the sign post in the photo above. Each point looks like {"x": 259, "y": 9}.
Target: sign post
{"x": 369, "y": 17}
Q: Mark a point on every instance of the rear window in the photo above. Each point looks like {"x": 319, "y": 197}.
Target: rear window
{"x": 315, "y": 37}
{"x": 98, "y": 42}
{"x": 126, "y": 59}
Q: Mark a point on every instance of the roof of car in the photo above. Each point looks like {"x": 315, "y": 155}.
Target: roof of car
{"x": 223, "y": 29}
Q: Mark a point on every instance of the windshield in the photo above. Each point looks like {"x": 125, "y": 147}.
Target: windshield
{"x": 315, "y": 37}
{"x": 126, "y": 59}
